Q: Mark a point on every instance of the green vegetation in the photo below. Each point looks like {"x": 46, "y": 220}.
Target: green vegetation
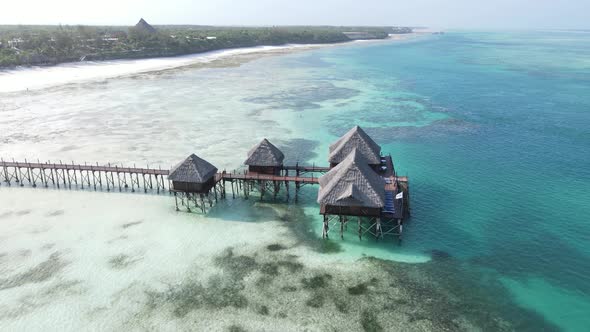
{"x": 45, "y": 45}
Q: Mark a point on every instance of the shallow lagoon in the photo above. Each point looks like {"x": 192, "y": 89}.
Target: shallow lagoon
{"x": 461, "y": 114}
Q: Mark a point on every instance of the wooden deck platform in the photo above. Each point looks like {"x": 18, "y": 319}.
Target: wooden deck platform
{"x": 120, "y": 177}
{"x": 83, "y": 176}
{"x": 85, "y": 167}
{"x": 266, "y": 177}
{"x": 306, "y": 169}
{"x": 113, "y": 177}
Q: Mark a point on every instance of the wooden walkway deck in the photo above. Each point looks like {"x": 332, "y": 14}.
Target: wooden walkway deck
{"x": 85, "y": 167}
{"x": 306, "y": 169}
{"x": 120, "y": 177}
{"x": 83, "y": 176}
{"x": 266, "y": 177}
{"x": 113, "y": 177}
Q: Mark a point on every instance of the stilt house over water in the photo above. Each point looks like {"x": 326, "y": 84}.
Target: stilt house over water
{"x": 356, "y": 138}
{"x": 363, "y": 184}
{"x": 193, "y": 175}
{"x": 352, "y": 188}
{"x": 265, "y": 158}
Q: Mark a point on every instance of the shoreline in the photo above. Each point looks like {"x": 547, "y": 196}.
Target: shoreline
{"x": 20, "y": 78}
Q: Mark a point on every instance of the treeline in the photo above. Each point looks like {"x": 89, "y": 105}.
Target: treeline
{"x": 36, "y": 45}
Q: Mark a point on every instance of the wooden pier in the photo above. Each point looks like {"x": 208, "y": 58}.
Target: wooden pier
{"x": 136, "y": 179}
{"x": 359, "y": 183}
{"x": 299, "y": 169}
{"x": 84, "y": 176}
{"x": 246, "y": 182}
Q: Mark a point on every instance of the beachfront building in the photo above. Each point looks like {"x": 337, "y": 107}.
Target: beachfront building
{"x": 355, "y": 138}
{"x": 265, "y": 158}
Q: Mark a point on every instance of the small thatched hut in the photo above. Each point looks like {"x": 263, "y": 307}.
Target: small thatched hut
{"x": 352, "y": 188}
{"x": 356, "y": 138}
{"x": 193, "y": 175}
{"x": 265, "y": 158}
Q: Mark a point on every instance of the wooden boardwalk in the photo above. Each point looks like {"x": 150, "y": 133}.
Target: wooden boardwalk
{"x": 83, "y": 176}
{"x": 266, "y": 177}
{"x": 121, "y": 178}
{"x": 114, "y": 177}
{"x": 305, "y": 169}
{"x": 137, "y": 179}
{"x": 85, "y": 167}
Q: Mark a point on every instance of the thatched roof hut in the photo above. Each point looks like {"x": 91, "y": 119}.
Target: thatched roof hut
{"x": 265, "y": 158}
{"x": 193, "y": 175}
{"x": 356, "y": 138}
{"x": 351, "y": 186}
{"x": 144, "y": 26}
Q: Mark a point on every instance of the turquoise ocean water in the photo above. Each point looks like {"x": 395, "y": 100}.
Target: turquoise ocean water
{"x": 493, "y": 130}
{"x": 491, "y": 127}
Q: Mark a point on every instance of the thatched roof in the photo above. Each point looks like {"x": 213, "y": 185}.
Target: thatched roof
{"x": 265, "y": 154}
{"x": 144, "y": 26}
{"x": 192, "y": 169}
{"x": 352, "y": 183}
{"x": 356, "y": 138}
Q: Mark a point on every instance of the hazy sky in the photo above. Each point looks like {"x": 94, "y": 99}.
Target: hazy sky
{"x": 510, "y": 14}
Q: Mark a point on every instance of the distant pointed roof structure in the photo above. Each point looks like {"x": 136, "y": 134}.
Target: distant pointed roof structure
{"x": 356, "y": 138}
{"x": 352, "y": 183}
{"x": 145, "y": 26}
{"x": 265, "y": 154}
{"x": 192, "y": 169}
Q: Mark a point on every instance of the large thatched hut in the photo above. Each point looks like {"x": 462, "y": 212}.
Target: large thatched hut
{"x": 352, "y": 188}
{"x": 144, "y": 27}
{"x": 265, "y": 158}
{"x": 356, "y": 138}
{"x": 193, "y": 175}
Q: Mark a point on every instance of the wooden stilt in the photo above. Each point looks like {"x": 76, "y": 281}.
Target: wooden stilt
{"x": 44, "y": 178}
{"x": 29, "y": 175}
{"x": 188, "y": 200}
{"x": 16, "y": 172}
{"x": 287, "y": 187}
{"x": 75, "y": 174}
{"x": 360, "y": 229}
